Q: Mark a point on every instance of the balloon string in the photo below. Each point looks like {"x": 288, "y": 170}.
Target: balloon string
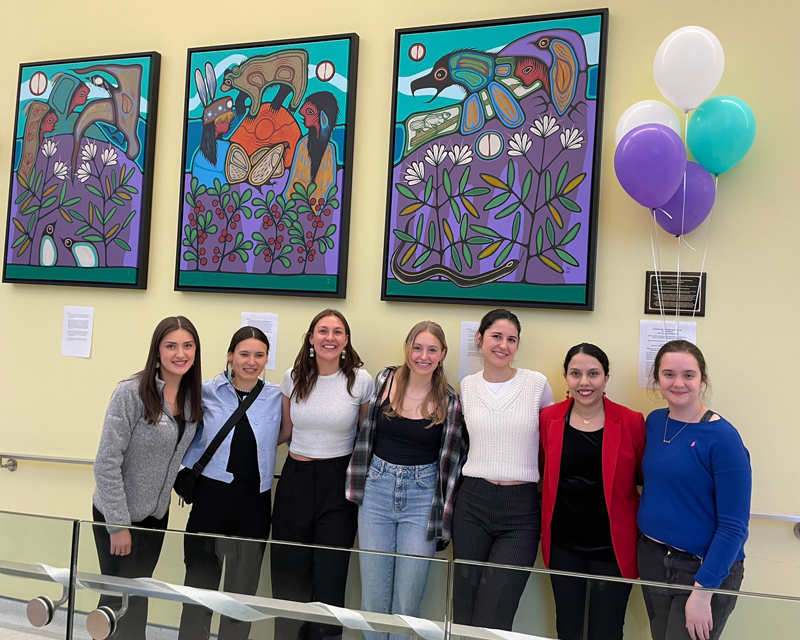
{"x": 705, "y": 251}
{"x": 683, "y": 225}
{"x": 658, "y": 277}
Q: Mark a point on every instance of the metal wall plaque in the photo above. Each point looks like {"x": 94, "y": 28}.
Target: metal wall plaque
{"x": 687, "y": 299}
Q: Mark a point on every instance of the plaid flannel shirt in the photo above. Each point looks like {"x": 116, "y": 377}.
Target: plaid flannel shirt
{"x": 452, "y": 453}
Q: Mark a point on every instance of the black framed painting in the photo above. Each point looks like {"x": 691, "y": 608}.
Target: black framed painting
{"x": 267, "y": 157}
{"x": 81, "y": 172}
{"x": 495, "y": 162}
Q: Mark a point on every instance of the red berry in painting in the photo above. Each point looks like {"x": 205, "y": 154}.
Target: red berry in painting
{"x": 215, "y": 202}
{"x": 308, "y": 234}
{"x": 271, "y": 241}
{"x": 202, "y": 252}
{"x": 281, "y": 227}
{"x": 215, "y": 258}
{"x": 203, "y": 262}
{"x": 311, "y": 258}
{"x": 274, "y": 208}
{"x": 300, "y": 260}
{"x": 230, "y": 208}
{"x": 232, "y": 257}
{"x": 327, "y": 212}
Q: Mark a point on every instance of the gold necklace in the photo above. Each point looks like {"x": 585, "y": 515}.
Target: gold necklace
{"x": 666, "y": 422}
{"x": 586, "y": 420}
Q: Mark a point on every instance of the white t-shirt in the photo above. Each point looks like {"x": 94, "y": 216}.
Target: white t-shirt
{"x": 324, "y": 425}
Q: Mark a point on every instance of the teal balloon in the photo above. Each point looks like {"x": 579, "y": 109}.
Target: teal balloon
{"x": 720, "y": 133}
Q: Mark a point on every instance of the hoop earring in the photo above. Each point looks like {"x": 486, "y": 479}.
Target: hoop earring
{"x": 229, "y": 371}
{"x": 311, "y": 353}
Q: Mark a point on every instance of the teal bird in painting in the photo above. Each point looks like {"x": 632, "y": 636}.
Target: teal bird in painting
{"x": 84, "y": 253}
{"x": 48, "y": 254}
{"x": 475, "y": 72}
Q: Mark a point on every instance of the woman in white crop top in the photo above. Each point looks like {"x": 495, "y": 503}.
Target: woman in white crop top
{"x": 497, "y": 515}
{"x": 325, "y": 397}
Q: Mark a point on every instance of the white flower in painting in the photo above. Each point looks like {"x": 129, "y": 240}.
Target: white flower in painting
{"x": 49, "y": 149}
{"x": 89, "y": 151}
{"x": 109, "y": 157}
{"x": 84, "y": 172}
{"x": 415, "y": 173}
{"x": 544, "y": 127}
{"x": 460, "y": 154}
{"x": 436, "y": 155}
{"x": 519, "y": 144}
{"x": 60, "y": 170}
{"x": 571, "y": 139}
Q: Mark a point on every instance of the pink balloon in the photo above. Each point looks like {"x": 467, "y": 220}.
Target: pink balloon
{"x": 688, "y": 208}
{"x": 650, "y": 162}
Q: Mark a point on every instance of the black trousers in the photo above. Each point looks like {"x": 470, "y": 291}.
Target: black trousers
{"x": 229, "y": 510}
{"x": 605, "y": 615}
{"x": 496, "y": 524}
{"x": 139, "y": 563}
{"x": 666, "y": 607}
{"x": 310, "y": 507}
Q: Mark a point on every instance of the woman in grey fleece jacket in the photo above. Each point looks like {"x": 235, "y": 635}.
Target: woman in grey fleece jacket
{"x": 149, "y": 424}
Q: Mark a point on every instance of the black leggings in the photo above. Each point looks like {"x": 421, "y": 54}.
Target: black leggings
{"x": 229, "y": 510}
{"x": 139, "y": 563}
{"x": 310, "y": 507}
{"x": 607, "y": 600}
{"x": 501, "y": 525}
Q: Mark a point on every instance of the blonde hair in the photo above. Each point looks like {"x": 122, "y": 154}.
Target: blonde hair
{"x": 438, "y": 395}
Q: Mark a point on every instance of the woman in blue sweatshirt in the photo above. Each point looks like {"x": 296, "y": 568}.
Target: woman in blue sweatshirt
{"x": 695, "y": 503}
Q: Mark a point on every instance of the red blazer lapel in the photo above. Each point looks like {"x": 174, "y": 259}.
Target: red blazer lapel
{"x": 612, "y": 440}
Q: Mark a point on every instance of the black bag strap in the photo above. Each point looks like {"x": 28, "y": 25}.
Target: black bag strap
{"x": 244, "y": 405}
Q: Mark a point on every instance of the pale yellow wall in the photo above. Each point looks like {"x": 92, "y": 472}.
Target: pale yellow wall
{"x": 53, "y": 405}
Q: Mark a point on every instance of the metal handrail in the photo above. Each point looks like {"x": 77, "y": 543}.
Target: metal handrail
{"x": 11, "y": 465}
{"x": 11, "y": 460}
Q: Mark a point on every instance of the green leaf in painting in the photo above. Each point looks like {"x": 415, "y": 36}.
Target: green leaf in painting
{"x": 547, "y": 185}
{"x": 420, "y": 226}
{"x": 122, "y": 243}
{"x": 464, "y": 178}
{"x": 504, "y": 254}
{"x": 497, "y": 201}
{"x": 467, "y": 254}
{"x": 95, "y": 191}
{"x": 484, "y": 230}
{"x": 189, "y": 255}
{"x": 569, "y": 204}
{"x": 569, "y": 236}
{"x": 515, "y": 226}
{"x": 421, "y": 259}
{"x": 431, "y": 235}
{"x": 551, "y": 234}
{"x": 456, "y": 258}
{"x": 403, "y": 235}
{"x": 562, "y": 175}
{"x": 526, "y": 185}
{"x": 539, "y": 240}
{"x": 510, "y": 174}
{"x": 406, "y": 192}
{"x": 428, "y": 189}
{"x": 507, "y": 211}
{"x": 446, "y": 181}
{"x": 566, "y": 257}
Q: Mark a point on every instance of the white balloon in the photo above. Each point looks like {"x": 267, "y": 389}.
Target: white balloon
{"x": 688, "y": 66}
{"x": 646, "y": 112}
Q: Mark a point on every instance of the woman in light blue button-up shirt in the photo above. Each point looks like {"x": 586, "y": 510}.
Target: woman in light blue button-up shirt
{"x": 233, "y": 495}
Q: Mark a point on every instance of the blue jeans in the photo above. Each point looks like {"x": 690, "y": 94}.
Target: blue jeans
{"x": 394, "y": 518}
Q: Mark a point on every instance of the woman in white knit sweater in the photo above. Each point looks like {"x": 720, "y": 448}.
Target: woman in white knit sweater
{"x": 497, "y": 514}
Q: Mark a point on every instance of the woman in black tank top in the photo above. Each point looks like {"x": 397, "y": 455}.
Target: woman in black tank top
{"x": 403, "y": 473}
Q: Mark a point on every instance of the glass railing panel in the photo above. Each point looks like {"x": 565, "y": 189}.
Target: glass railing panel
{"x": 35, "y": 554}
{"x": 241, "y": 588}
{"x": 484, "y": 599}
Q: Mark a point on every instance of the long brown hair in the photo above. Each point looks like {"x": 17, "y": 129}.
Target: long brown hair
{"x": 191, "y": 382}
{"x": 304, "y": 372}
{"x": 438, "y": 395}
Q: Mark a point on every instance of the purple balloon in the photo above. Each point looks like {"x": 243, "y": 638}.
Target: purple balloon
{"x": 650, "y": 162}
{"x": 700, "y": 194}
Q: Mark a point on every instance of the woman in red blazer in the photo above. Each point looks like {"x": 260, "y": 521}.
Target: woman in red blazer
{"x": 591, "y": 453}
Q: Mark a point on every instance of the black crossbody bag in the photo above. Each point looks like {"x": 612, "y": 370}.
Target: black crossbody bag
{"x": 187, "y": 478}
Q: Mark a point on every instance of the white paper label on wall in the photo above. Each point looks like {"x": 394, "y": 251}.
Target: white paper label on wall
{"x": 652, "y": 337}
{"x": 469, "y": 355}
{"x": 268, "y": 323}
{"x": 76, "y": 332}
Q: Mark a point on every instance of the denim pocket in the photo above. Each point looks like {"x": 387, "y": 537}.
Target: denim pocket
{"x": 373, "y": 473}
